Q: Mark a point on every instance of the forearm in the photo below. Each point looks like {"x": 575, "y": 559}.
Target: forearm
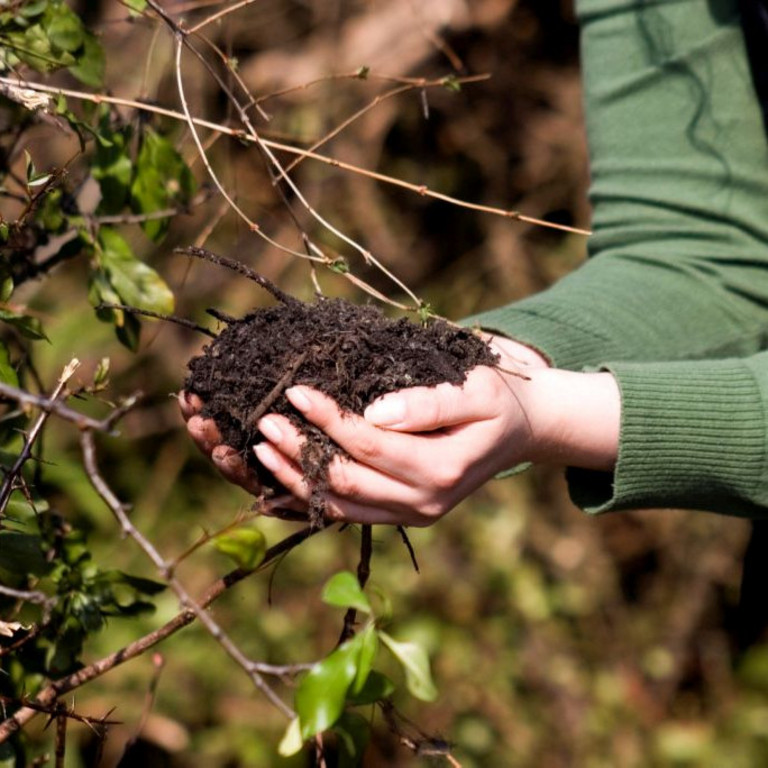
{"x": 574, "y": 418}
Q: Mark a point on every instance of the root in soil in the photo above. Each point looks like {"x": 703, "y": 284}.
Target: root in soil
{"x": 352, "y": 353}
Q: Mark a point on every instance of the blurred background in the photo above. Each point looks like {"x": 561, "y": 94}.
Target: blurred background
{"x": 556, "y": 639}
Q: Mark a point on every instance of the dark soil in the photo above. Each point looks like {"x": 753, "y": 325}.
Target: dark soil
{"x": 352, "y": 353}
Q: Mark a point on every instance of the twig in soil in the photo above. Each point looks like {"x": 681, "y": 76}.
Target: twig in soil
{"x": 159, "y": 316}
{"x": 283, "y": 384}
{"x": 240, "y": 268}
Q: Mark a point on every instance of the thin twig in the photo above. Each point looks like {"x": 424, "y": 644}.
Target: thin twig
{"x": 240, "y": 268}
{"x": 241, "y": 135}
{"x": 28, "y": 596}
{"x": 56, "y": 407}
{"x": 363, "y": 573}
{"x": 283, "y": 383}
{"x": 158, "y": 316}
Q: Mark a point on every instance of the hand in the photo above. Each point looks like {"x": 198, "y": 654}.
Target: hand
{"x": 206, "y": 436}
{"x": 417, "y": 453}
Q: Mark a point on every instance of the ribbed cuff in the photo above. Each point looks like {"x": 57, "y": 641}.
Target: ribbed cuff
{"x": 693, "y": 435}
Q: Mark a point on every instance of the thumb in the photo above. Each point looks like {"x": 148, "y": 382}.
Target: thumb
{"x": 424, "y": 409}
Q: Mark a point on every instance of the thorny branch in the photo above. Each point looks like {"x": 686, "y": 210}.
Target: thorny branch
{"x": 138, "y": 647}
{"x": 9, "y": 480}
{"x": 119, "y": 510}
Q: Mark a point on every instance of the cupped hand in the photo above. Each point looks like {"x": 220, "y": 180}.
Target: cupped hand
{"x": 415, "y": 453}
{"x": 206, "y": 436}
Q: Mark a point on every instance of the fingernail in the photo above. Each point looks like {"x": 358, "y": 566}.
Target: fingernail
{"x": 298, "y": 398}
{"x": 386, "y": 412}
{"x": 267, "y": 456}
{"x": 268, "y": 427}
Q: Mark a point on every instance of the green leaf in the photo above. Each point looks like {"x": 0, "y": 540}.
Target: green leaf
{"x": 354, "y": 733}
{"x": 137, "y": 284}
{"x": 33, "y": 8}
{"x": 6, "y": 287}
{"x": 415, "y": 663}
{"x": 28, "y": 326}
{"x": 101, "y": 374}
{"x": 321, "y": 694}
{"x": 112, "y": 167}
{"x": 162, "y": 180}
{"x": 291, "y": 743}
{"x": 8, "y": 373}
{"x": 369, "y": 646}
{"x": 91, "y": 63}
{"x": 245, "y": 546}
{"x": 376, "y": 688}
{"x": 343, "y": 591}
{"x": 64, "y": 28}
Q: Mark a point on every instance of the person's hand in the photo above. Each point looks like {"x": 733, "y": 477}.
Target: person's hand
{"x": 418, "y": 452}
{"x": 206, "y": 436}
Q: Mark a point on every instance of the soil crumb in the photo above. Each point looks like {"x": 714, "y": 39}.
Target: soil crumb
{"x": 352, "y": 353}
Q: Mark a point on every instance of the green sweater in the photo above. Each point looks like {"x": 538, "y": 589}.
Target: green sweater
{"x": 674, "y": 297}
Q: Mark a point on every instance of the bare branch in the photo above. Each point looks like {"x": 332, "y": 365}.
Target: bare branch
{"x": 240, "y": 268}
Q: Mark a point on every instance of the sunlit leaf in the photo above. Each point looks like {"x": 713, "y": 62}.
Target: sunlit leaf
{"x": 291, "y": 743}
{"x": 369, "y": 646}
{"x": 415, "y": 663}
{"x": 344, "y": 591}
{"x": 245, "y": 546}
{"x": 63, "y": 27}
{"x": 137, "y": 284}
{"x": 321, "y": 694}
{"x": 136, "y": 6}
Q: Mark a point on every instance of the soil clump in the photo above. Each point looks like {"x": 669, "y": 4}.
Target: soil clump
{"x": 350, "y": 352}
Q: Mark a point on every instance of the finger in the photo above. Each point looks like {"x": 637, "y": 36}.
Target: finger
{"x": 359, "y": 494}
{"x": 389, "y": 452}
{"x": 234, "y": 468}
{"x": 189, "y": 404}
{"x": 425, "y": 409}
{"x": 205, "y": 433}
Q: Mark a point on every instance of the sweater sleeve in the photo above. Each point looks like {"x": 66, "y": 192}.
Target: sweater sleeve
{"x": 673, "y": 299}
{"x": 678, "y": 262}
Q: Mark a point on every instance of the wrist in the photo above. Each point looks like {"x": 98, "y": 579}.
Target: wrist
{"x": 574, "y": 418}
